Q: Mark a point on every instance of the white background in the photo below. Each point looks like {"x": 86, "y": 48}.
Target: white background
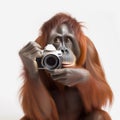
{"x": 20, "y": 21}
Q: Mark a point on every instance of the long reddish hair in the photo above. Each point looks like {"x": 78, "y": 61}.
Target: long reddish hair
{"x": 37, "y": 102}
{"x": 89, "y": 59}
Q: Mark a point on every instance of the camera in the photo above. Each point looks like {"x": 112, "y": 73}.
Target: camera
{"x": 51, "y": 58}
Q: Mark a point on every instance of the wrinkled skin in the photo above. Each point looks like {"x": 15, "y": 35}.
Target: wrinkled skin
{"x": 63, "y": 38}
{"x": 28, "y": 54}
{"x": 66, "y": 76}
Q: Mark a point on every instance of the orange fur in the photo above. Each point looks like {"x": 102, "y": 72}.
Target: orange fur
{"x": 37, "y": 101}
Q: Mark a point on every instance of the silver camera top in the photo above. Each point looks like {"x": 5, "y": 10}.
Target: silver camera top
{"x": 50, "y": 49}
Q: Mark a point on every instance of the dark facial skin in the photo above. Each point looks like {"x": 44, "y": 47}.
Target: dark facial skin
{"x": 63, "y": 38}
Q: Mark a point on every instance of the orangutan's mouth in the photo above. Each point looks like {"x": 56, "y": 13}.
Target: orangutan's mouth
{"x": 67, "y": 64}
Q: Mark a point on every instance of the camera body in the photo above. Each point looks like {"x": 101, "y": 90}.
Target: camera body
{"x": 51, "y": 58}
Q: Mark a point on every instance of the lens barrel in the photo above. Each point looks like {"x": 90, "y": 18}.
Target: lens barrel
{"x": 51, "y": 61}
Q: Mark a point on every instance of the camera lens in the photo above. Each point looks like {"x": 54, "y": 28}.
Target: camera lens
{"x": 51, "y": 61}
